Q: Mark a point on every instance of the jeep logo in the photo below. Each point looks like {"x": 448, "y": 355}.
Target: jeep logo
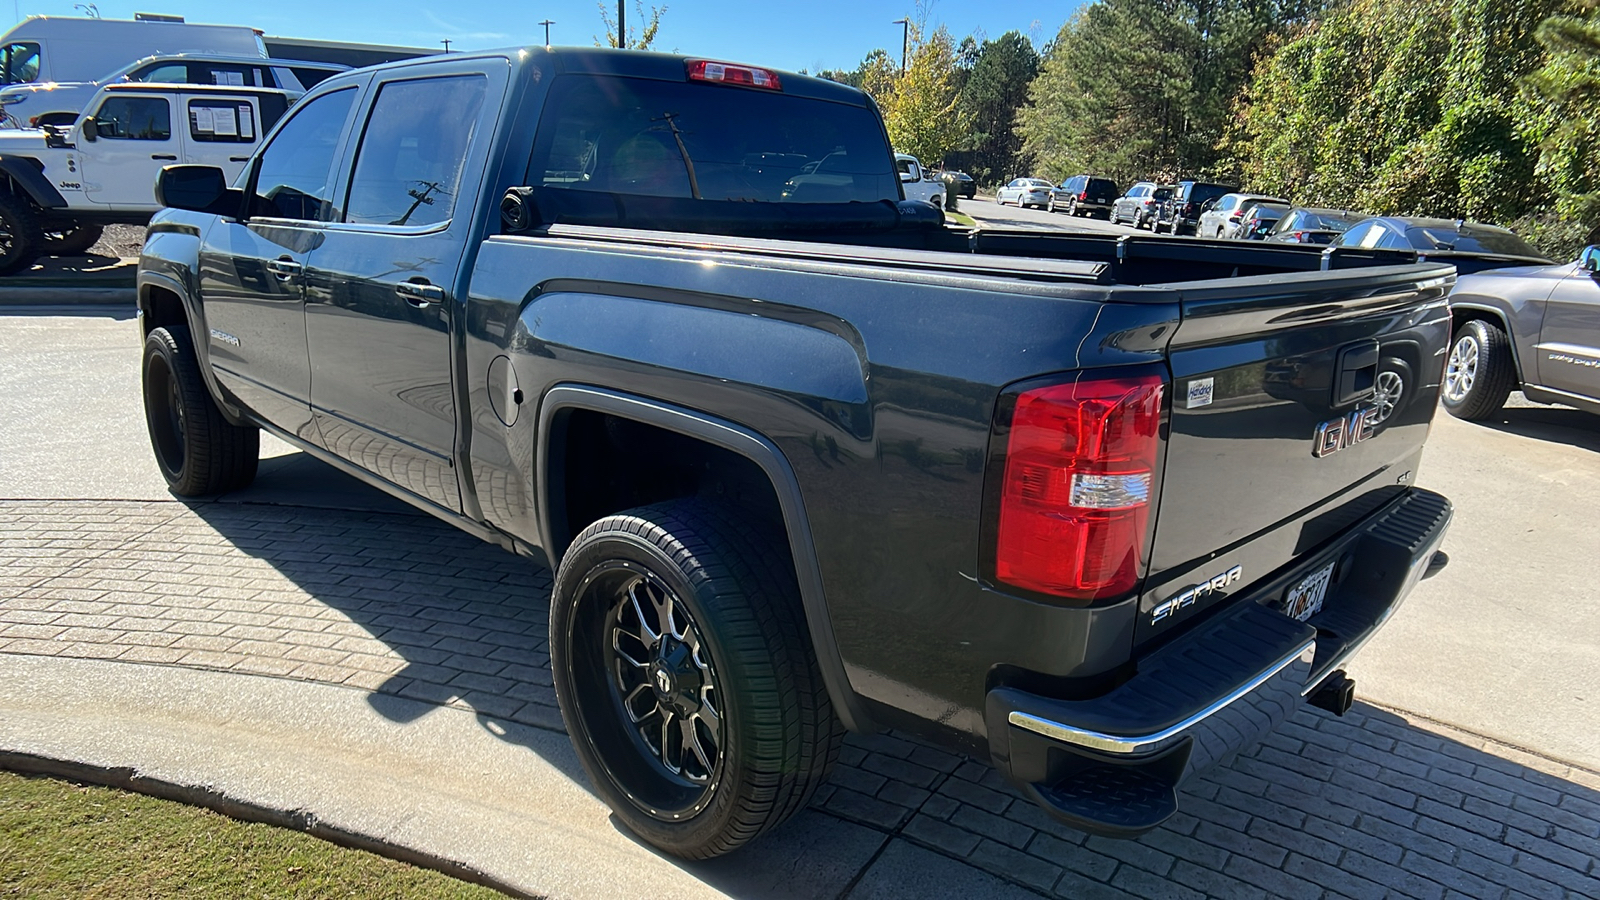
{"x": 1336, "y": 434}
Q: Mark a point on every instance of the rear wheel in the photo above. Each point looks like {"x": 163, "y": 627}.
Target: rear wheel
{"x": 1480, "y": 374}
{"x": 199, "y": 452}
{"x": 686, "y": 676}
{"x": 72, "y": 241}
{"x": 21, "y": 236}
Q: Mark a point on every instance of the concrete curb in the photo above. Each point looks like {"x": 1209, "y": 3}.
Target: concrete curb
{"x": 11, "y": 296}
{"x": 242, "y": 808}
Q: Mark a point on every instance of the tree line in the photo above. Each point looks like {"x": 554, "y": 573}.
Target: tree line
{"x": 1479, "y": 109}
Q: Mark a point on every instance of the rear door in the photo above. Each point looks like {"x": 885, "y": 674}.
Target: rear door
{"x": 384, "y": 285}
{"x": 252, "y": 268}
{"x": 220, "y": 130}
{"x": 1569, "y": 341}
{"x": 1274, "y": 445}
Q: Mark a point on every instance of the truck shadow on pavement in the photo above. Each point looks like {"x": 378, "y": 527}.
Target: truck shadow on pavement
{"x": 410, "y": 609}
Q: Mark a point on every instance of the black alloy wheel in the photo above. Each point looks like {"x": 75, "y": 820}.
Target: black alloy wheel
{"x": 21, "y": 236}
{"x": 686, "y": 676}
{"x": 198, "y": 451}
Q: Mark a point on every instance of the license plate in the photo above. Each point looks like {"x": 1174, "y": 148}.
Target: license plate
{"x": 1305, "y": 598}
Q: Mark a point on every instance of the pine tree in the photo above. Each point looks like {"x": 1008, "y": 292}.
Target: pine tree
{"x": 996, "y": 86}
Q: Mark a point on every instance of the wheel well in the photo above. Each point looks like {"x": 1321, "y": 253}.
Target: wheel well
{"x": 1460, "y": 316}
{"x": 161, "y": 307}
{"x": 602, "y": 464}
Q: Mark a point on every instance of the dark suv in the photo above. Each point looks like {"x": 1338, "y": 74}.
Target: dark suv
{"x": 1081, "y": 195}
{"x": 1182, "y": 212}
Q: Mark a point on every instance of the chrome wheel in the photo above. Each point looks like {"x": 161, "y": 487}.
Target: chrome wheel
{"x": 1462, "y": 370}
{"x": 1386, "y": 395}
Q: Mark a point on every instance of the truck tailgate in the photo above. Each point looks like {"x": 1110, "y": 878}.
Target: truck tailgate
{"x": 1300, "y": 406}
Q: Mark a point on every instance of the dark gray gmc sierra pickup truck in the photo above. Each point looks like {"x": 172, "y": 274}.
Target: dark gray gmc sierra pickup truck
{"x": 803, "y": 458}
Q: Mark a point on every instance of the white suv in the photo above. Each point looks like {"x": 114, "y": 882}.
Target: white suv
{"x": 917, "y": 182}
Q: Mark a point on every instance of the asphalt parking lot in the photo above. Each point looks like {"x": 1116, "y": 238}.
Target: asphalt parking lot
{"x": 1470, "y": 769}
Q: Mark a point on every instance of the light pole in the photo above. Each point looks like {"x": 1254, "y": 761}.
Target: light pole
{"x": 905, "y": 40}
{"x": 547, "y": 23}
{"x": 622, "y": 25}
{"x": 446, "y": 43}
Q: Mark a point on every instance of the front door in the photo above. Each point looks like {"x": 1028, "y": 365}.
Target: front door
{"x": 1569, "y": 342}
{"x": 252, "y": 267}
{"x": 383, "y": 287}
{"x": 133, "y": 138}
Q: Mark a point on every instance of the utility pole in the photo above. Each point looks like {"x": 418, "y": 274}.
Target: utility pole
{"x": 905, "y": 40}
{"x": 547, "y": 23}
{"x": 622, "y": 24}
{"x": 446, "y": 43}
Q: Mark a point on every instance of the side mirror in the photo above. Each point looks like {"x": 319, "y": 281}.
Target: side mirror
{"x": 91, "y": 130}
{"x": 197, "y": 188}
{"x": 1589, "y": 259}
{"x": 908, "y": 177}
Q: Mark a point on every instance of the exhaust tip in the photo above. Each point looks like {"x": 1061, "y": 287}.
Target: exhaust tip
{"x": 1336, "y": 693}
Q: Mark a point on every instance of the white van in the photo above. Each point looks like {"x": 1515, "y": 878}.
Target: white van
{"x": 61, "y": 49}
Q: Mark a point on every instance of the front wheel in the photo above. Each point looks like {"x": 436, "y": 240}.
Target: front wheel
{"x": 686, "y": 676}
{"x": 199, "y": 452}
{"x": 1050, "y": 205}
{"x": 21, "y": 235}
{"x": 1480, "y": 372}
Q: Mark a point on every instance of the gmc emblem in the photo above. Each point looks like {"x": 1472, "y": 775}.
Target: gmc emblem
{"x": 1336, "y": 434}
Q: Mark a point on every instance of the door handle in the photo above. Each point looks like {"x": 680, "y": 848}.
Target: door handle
{"x": 284, "y": 268}
{"x": 243, "y": 158}
{"x": 163, "y": 156}
{"x": 420, "y": 294}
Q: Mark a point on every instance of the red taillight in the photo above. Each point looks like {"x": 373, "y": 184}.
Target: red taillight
{"x": 727, "y": 73}
{"x": 1076, "y": 493}
{"x": 1084, "y": 195}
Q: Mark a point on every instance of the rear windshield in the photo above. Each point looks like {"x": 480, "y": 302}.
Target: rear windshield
{"x": 709, "y": 142}
{"x": 1200, "y": 193}
{"x": 1101, "y": 187}
{"x": 1329, "y": 221}
{"x": 1471, "y": 242}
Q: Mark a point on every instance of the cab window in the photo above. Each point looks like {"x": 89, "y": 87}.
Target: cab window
{"x": 410, "y": 159}
{"x": 294, "y": 177}
{"x": 225, "y": 121}
{"x": 134, "y": 119}
{"x": 19, "y": 63}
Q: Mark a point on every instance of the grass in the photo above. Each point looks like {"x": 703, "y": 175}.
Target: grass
{"x": 960, "y": 218}
{"x": 64, "y": 840}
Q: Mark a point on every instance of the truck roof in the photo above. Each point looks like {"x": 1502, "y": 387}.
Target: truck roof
{"x": 641, "y": 64}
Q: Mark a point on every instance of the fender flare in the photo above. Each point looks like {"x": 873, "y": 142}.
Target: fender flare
{"x": 1500, "y": 316}
{"x": 737, "y": 439}
{"x": 195, "y": 318}
{"x": 26, "y": 173}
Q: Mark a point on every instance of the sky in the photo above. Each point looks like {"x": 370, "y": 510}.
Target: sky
{"x": 811, "y": 35}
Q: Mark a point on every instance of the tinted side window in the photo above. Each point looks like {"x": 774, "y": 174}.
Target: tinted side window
{"x": 409, "y": 164}
{"x": 134, "y": 119}
{"x": 19, "y": 63}
{"x": 294, "y": 177}
{"x": 222, "y": 121}
{"x": 163, "y": 73}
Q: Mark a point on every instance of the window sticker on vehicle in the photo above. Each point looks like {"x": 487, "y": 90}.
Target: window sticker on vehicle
{"x": 1200, "y": 392}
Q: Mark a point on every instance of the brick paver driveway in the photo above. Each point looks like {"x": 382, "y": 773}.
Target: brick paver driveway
{"x": 1371, "y": 805}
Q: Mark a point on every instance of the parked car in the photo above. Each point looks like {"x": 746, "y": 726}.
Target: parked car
{"x": 1221, "y": 218}
{"x": 1181, "y": 214}
{"x": 1034, "y": 192}
{"x": 27, "y": 105}
{"x": 1469, "y": 246}
{"x": 1536, "y": 328}
{"x": 1137, "y": 207}
{"x": 1307, "y": 225}
{"x": 917, "y": 182}
{"x": 1258, "y": 219}
{"x": 965, "y": 185}
{"x": 1083, "y": 195}
{"x": 62, "y": 185}
{"x": 813, "y": 466}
